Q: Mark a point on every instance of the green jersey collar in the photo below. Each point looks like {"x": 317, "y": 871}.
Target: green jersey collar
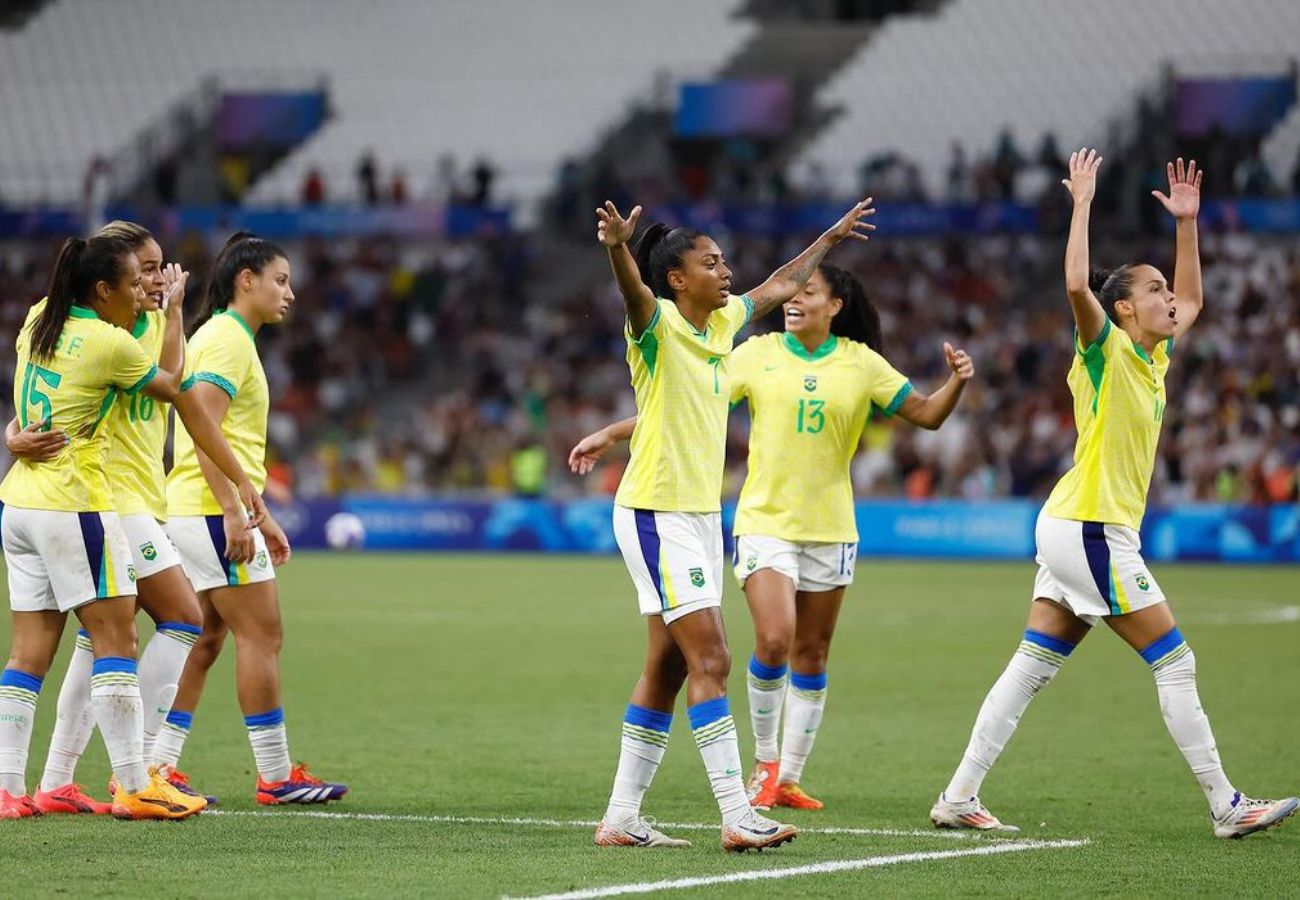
{"x": 795, "y": 346}
{"x": 82, "y": 312}
{"x": 140, "y": 327}
{"x": 238, "y": 318}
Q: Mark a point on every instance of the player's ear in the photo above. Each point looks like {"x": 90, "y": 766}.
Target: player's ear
{"x": 676, "y": 280}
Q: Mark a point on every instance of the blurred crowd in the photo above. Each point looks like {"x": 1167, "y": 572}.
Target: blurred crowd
{"x": 410, "y": 368}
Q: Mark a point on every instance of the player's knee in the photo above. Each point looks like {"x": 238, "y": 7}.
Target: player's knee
{"x": 28, "y": 663}
{"x": 772, "y": 646}
{"x": 811, "y": 656}
{"x": 714, "y": 663}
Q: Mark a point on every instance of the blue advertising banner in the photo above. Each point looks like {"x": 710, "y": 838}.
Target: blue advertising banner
{"x": 938, "y": 529}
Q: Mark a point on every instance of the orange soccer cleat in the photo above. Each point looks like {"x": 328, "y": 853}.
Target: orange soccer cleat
{"x": 762, "y": 787}
{"x": 70, "y": 799}
{"x": 790, "y": 794}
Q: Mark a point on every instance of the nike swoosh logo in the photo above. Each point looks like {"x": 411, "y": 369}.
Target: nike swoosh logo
{"x": 809, "y": 730}
{"x": 771, "y": 830}
{"x": 770, "y": 368}
{"x": 762, "y": 712}
{"x": 170, "y": 807}
{"x": 639, "y": 838}
{"x": 730, "y": 772}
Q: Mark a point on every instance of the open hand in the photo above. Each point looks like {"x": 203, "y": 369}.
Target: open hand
{"x": 1184, "y": 198}
{"x": 583, "y": 457}
{"x": 959, "y": 361}
{"x": 277, "y": 542}
{"x": 854, "y": 224}
{"x": 35, "y": 444}
{"x": 1082, "y": 183}
{"x": 174, "y": 279}
{"x": 612, "y": 229}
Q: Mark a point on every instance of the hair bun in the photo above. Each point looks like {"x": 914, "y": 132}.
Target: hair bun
{"x": 1097, "y": 279}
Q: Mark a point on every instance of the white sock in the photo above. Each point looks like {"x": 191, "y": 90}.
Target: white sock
{"x": 645, "y": 739}
{"x": 18, "y": 693}
{"x": 1174, "y": 666}
{"x": 766, "y": 695}
{"x": 715, "y": 735}
{"x": 270, "y": 745}
{"x": 76, "y": 721}
{"x": 803, "y": 716}
{"x": 1032, "y": 666}
{"x": 170, "y": 742}
{"x": 161, "y": 664}
{"x": 119, "y": 713}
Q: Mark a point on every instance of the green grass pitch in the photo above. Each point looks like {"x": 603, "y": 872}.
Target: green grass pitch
{"x": 491, "y": 687}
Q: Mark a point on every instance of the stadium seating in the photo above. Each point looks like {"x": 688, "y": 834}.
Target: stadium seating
{"x": 522, "y": 83}
{"x": 911, "y": 85}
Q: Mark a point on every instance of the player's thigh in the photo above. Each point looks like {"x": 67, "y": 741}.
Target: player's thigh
{"x": 168, "y": 596}
{"x": 818, "y": 614}
{"x": 702, "y": 639}
{"x": 1056, "y": 620}
{"x": 250, "y": 611}
{"x": 663, "y": 656}
{"x": 1143, "y": 628}
{"x": 34, "y": 639}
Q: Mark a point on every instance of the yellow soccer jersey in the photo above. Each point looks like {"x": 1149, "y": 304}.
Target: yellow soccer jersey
{"x": 75, "y": 389}
{"x": 1119, "y": 401}
{"x": 139, "y": 429}
{"x": 680, "y": 379}
{"x": 222, "y": 352}
{"x": 808, "y": 411}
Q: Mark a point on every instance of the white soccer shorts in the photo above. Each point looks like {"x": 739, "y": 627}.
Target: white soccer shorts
{"x": 675, "y": 559}
{"x": 151, "y": 548}
{"x": 58, "y": 560}
{"x": 201, "y": 541}
{"x": 811, "y": 566}
{"x": 1093, "y": 568}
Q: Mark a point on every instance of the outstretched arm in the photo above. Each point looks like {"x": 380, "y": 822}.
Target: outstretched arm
{"x": 789, "y": 280}
{"x": 614, "y": 231}
{"x": 1089, "y": 317}
{"x": 1183, "y": 203}
{"x": 583, "y": 457}
{"x": 932, "y": 411}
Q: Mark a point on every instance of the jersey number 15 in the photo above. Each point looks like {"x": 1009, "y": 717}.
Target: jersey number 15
{"x": 34, "y": 396}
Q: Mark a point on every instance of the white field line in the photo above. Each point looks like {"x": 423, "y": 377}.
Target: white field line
{"x": 568, "y": 823}
{"x": 1272, "y": 616}
{"x": 839, "y": 865}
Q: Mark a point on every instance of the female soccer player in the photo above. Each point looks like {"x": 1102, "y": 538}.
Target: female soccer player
{"x": 138, "y": 484}
{"x": 229, "y": 565}
{"x": 810, "y": 391}
{"x": 682, "y": 320}
{"x": 1127, "y": 322}
{"x": 64, "y": 545}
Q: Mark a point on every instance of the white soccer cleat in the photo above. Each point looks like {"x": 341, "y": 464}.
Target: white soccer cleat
{"x": 755, "y": 832}
{"x": 967, "y": 814}
{"x": 1248, "y": 816}
{"x": 638, "y": 833}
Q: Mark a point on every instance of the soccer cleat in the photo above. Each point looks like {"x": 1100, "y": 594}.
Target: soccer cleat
{"x": 17, "y": 807}
{"x": 762, "y": 785}
{"x": 967, "y": 814}
{"x": 179, "y": 780}
{"x": 791, "y": 795}
{"x": 1248, "y": 816}
{"x": 640, "y": 833}
{"x": 755, "y": 832}
{"x": 70, "y": 798}
{"x": 300, "y": 787}
{"x": 159, "y": 800}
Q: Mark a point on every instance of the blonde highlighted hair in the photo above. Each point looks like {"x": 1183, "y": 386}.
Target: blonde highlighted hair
{"x": 130, "y": 232}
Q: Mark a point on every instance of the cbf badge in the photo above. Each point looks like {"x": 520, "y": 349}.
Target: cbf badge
{"x": 148, "y": 551}
{"x": 697, "y": 577}
{"x": 810, "y": 383}
{"x": 261, "y": 559}
{"x": 1142, "y": 583}
{"x": 751, "y": 562}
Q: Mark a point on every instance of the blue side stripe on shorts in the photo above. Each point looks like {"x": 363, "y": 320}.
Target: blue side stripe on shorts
{"x": 1097, "y": 551}
{"x": 217, "y": 531}
{"x": 92, "y": 535}
{"x": 647, "y": 535}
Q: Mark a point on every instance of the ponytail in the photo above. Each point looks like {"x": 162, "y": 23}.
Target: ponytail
{"x": 858, "y": 320}
{"x": 81, "y": 264}
{"x": 1111, "y": 285}
{"x": 243, "y": 250}
{"x": 659, "y": 251}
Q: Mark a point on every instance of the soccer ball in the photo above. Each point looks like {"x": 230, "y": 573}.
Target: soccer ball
{"x": 344, "y": 531}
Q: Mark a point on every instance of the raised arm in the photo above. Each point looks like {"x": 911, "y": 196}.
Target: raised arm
{"x": 613, "y": 231}
{"x": 1089, "y": 317}
{"x": 583, "y": 457}
{"x": 790, "y": 279}
{"x": 173, "y": 348}
{"x": 1183, "y": 203}
{"x": 932, "y": 411}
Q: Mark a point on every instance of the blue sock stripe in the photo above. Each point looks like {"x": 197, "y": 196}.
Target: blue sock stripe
{"x": 181, "y": 627}
{"x": 808, "y": 682}
{"x": 180, "y": 719}
{"x": 654, "y": 719}
{"x": 766, "y": 673}
{"x": 81, "y": 632}
{"x": 1161, "y": 646}
{"x": 1055, "y": 644}
{"x": 268, "y": 719}
{"x": 702, "y": 714}
{"x": 16, "y": 678}
{"x": 106, "y": 664}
